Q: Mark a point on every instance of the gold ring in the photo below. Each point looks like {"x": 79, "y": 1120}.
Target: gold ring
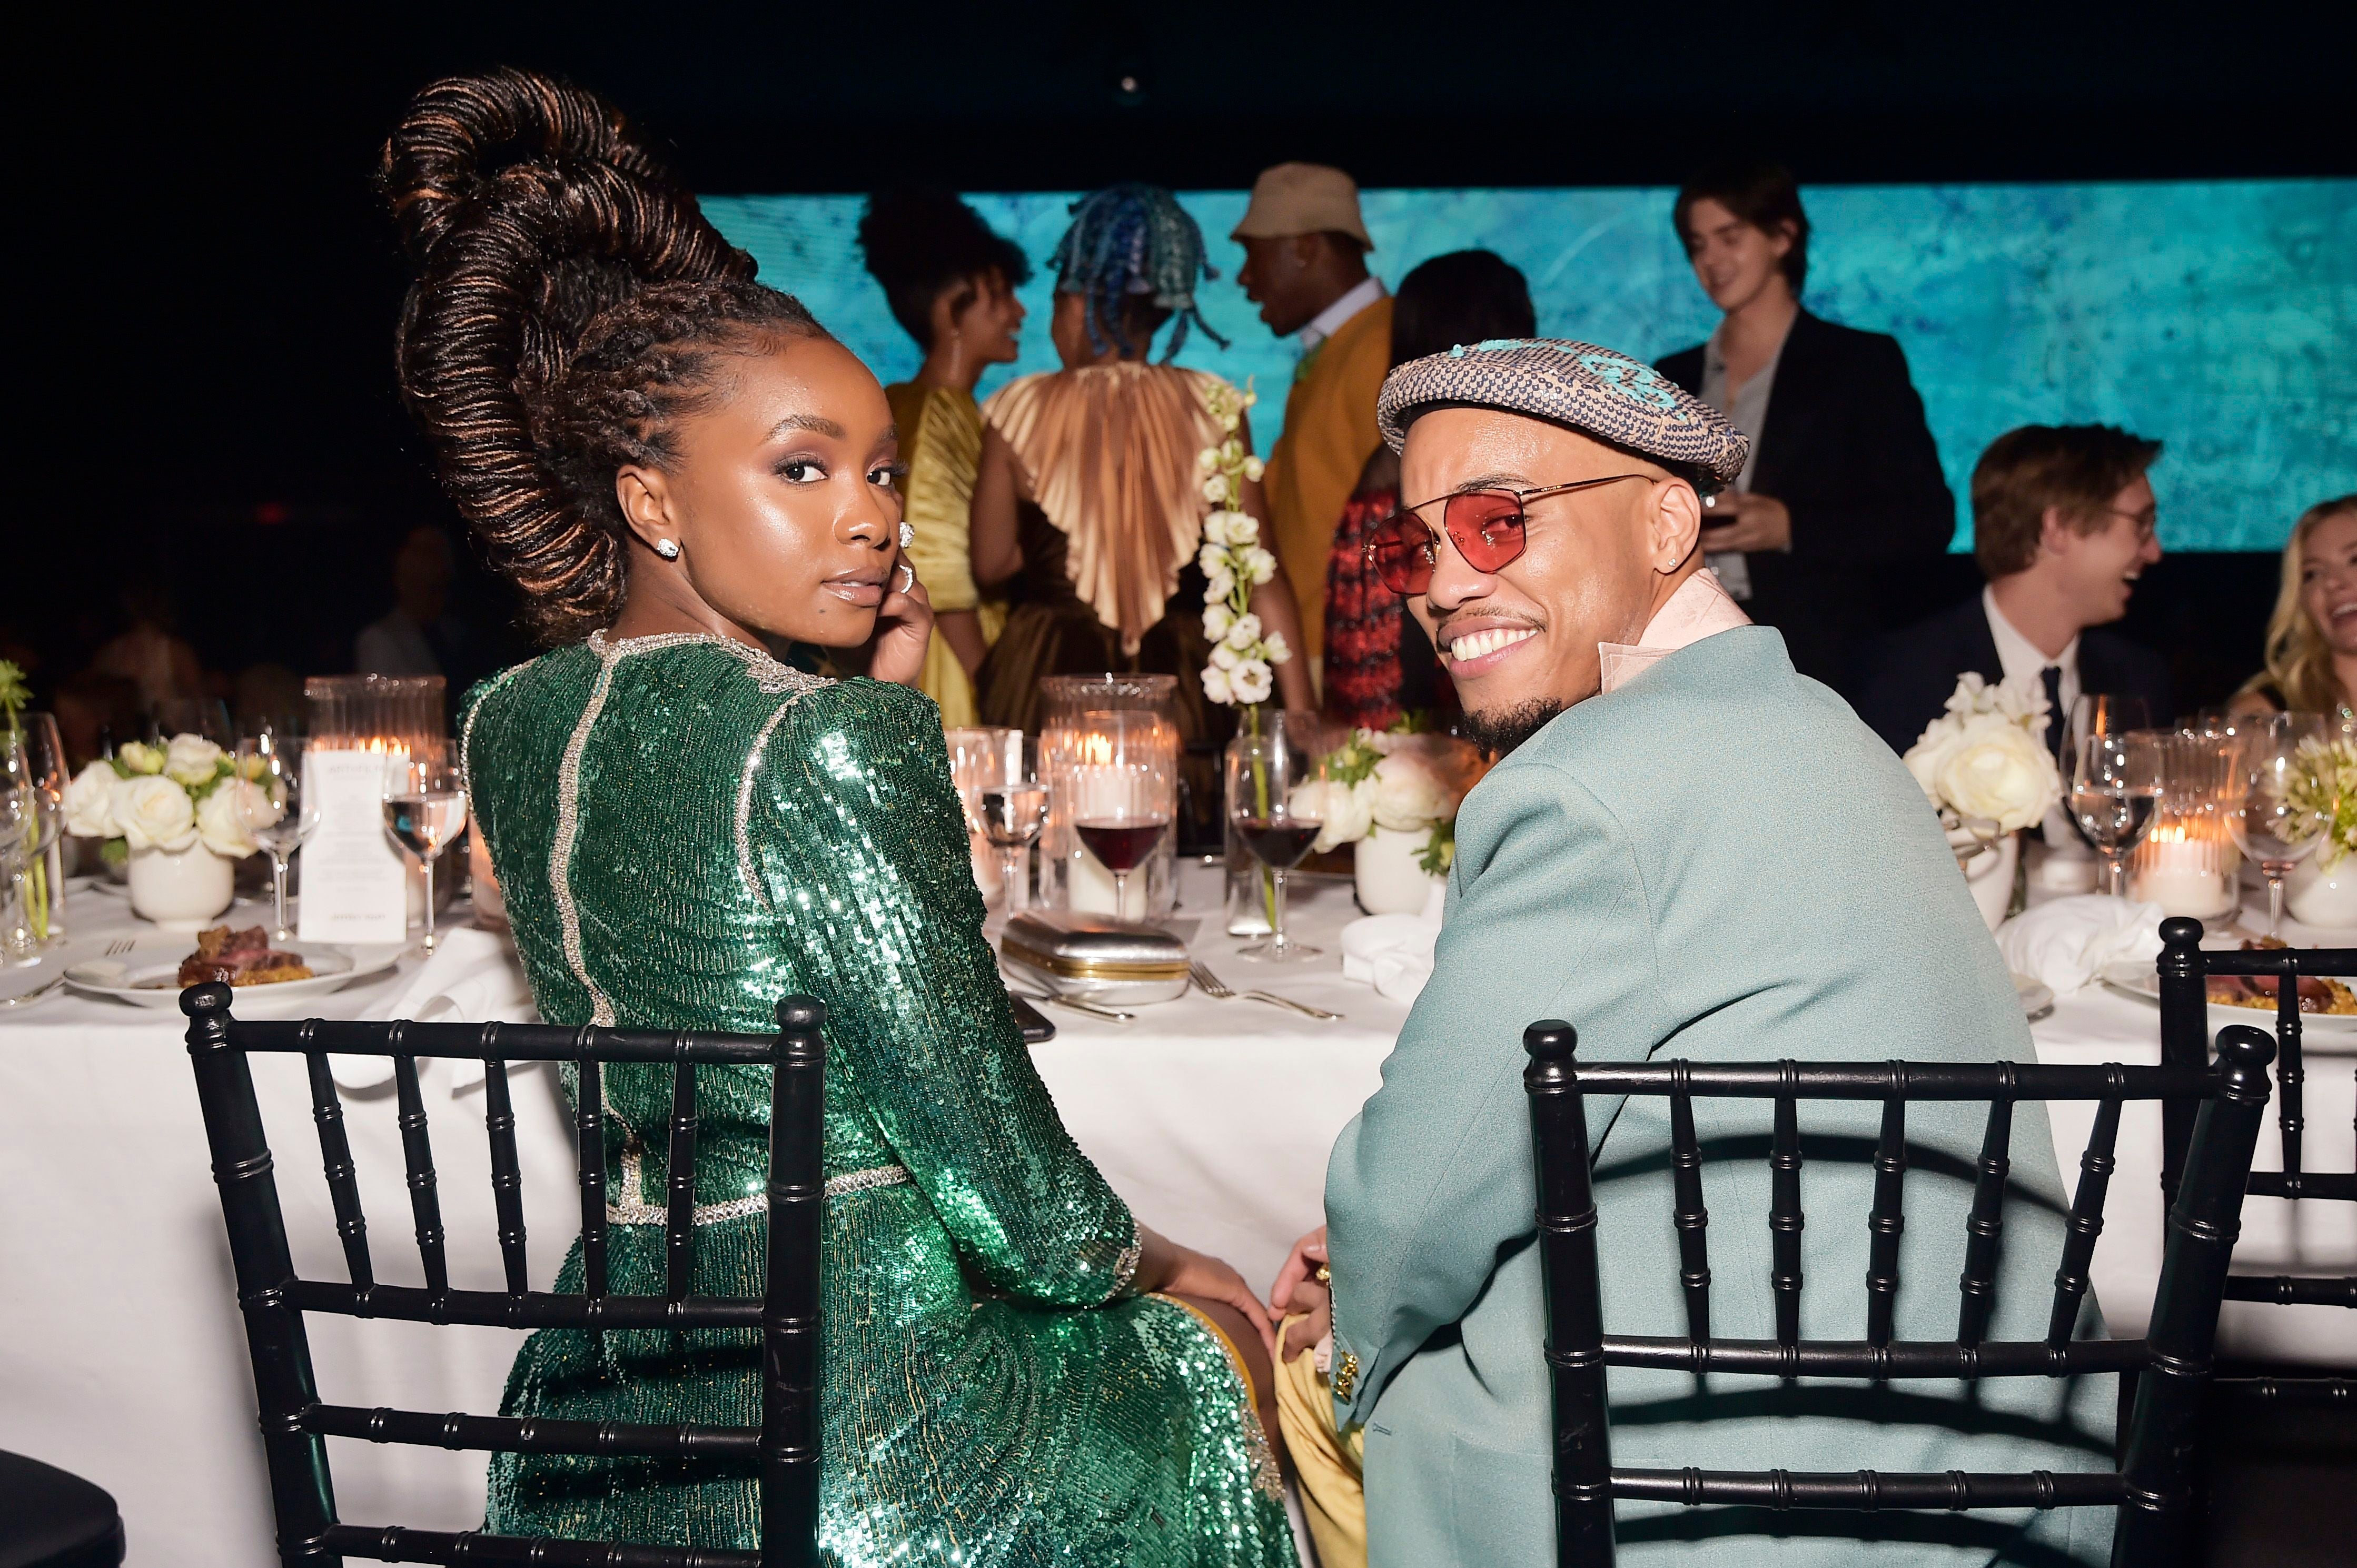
{"x": 1324, "y": 1276}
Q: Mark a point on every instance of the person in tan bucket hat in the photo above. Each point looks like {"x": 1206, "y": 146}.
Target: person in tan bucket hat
{"x": 1306, "y": 266}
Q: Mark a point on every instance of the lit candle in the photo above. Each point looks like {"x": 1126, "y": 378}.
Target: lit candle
{"x": 2185, "y": 875}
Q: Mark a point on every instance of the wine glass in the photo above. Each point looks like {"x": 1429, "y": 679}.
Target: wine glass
{"x": 2103, "y": 713}
{"x": 424, "y": 809}
{"x": 2115, "y": 791}
{"x": 1012, "y": 816}
{"x": 275, "y": 807}
{"x": 2274, "y": 819}
{"x": 1264, "y": 773}
{"x": 1120, "y": 838}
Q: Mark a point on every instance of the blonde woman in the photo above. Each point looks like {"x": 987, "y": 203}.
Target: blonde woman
{"x": 2312, "y": 636}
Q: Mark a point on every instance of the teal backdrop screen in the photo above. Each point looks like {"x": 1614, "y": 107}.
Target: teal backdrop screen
{"x": 2220, "y": 317}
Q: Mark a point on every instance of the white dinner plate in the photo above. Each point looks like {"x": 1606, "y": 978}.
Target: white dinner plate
{"x": 2037, "y": 996}
{"x": 2140, "y": 980}
{"x": 148, "y": 976}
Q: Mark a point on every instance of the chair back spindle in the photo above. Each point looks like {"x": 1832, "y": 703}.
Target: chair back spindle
{"x": 336, "y": 1163}
{"x": 1785, "y": 1221}
{"x": 418, "y": 1155}
{"x": 2096, "y": 1164}
{"x": 1887, "y": 1221}
{"x": 1978, "y": 1284}
{"x": 1690, "y": 1218}
{"x": 507, "y": 1171}
{"x": 1574, "y": 1304}
{"x": 679, "y": 1216}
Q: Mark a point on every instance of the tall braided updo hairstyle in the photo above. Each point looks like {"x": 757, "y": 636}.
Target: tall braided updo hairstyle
{"x": 571, "y": 307}
{"x": 1135, "y": 254}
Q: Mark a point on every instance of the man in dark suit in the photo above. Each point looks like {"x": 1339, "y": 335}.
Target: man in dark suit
{"x": 2062, "y": 526}
{"x": 1844, "y": 487}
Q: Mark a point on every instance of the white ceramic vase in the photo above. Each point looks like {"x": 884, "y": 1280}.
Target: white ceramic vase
{"x": 2323, "y": 895}
{"x": 1990, "y": 876}
{"x": 1391, "y": 879}
{"x": 181, "y": 890}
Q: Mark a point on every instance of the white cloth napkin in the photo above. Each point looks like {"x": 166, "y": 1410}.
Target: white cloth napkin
{"x": 472, "y": 978}
{"x": 1391, "y": 953}
{"x": 2069, "y": 942}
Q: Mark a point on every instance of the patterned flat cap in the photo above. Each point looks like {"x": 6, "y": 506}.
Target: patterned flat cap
{"x": 1591, "y": 390}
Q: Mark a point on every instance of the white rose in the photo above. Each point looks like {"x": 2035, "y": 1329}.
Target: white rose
{"x": 1995, "y": 769}
{"x": 1217, "y": 619}
{"x": 1245, "y": 632}
{"x": 1254, "y": 469}
{"x": 1256, "y": 563}
{"x": 1408, "y": 794}
{"x": 221, "y": 822}
{"x": 1344, "y": 812}
{"x": 1215, "y": 684}
{"x": 89, "y": 802}
{"x": 154, "y": 814}
{"x": 140, "y": 758}
{"x": 1251, "y": 681}
{"x": 192, "y": 759}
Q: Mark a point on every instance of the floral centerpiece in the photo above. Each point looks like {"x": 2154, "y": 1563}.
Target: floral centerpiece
{"x": 181, "y": 811}
{"x": 2322, "y": 780}
{"x": 1244, "y": 655}
{"x": 1394, "y": 795}
{"x": 1985, "y": 768}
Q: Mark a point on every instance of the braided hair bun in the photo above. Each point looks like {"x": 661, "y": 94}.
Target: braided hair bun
{"x": 571, "y": 301}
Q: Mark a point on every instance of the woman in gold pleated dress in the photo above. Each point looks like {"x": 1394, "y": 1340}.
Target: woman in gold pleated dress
{"x": 1090, "y": 505}
{"x": 950, "y": 283}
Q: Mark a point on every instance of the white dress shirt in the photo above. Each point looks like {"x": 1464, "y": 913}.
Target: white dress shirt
{"x": 1329, "y": 321}
{"x": 2020, "y": 659}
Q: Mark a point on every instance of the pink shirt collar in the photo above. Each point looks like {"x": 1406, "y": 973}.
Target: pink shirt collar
{"x": 1699, "y": 608}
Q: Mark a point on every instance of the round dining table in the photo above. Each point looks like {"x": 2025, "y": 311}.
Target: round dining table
{"x": 123, "y": 1358}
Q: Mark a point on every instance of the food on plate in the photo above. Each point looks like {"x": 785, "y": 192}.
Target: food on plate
{"x": 2318, "y": 994}
{"x": 241, "y": 958}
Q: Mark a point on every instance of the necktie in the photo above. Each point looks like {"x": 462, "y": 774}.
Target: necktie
{"x": 2052, "y": 676}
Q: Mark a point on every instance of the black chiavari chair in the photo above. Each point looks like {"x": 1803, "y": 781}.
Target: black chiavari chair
{"x": 296, "y": 1421}
{"x": 2185, "y": 970}
{"x": 2152, "y": 1489}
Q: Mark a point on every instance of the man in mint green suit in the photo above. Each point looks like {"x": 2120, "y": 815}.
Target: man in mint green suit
{"x": 1690, "y": 851}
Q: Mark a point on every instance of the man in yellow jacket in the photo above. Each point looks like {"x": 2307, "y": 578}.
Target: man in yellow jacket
{"x": 1306, "y": 266}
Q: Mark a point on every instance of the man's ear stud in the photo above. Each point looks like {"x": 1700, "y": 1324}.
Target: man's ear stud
{"x": 667, "y": 548}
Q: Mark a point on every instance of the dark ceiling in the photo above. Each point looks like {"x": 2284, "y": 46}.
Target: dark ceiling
{"x": 215, "y": 285}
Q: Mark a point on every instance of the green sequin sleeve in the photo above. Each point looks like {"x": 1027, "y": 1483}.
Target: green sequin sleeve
{"x": 854, "y": 836}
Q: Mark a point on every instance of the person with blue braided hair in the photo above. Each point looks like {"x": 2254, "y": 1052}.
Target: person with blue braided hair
{"x": 1088, "y": 504}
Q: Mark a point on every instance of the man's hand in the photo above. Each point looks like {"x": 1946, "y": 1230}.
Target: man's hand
{"x": 1761, "y": 522}
{"x": 1298, "y": 1290}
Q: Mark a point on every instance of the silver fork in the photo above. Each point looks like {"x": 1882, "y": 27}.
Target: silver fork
{"x": 1216, "y": 988}
{"x": 116, "y": 949}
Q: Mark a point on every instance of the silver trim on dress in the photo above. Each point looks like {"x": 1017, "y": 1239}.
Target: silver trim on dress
{"x": 633, "y": 1209}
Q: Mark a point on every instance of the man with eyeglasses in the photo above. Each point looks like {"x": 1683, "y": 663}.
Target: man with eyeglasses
{"x": 1688, "y": 851}
{"x": 2062, "y": 526}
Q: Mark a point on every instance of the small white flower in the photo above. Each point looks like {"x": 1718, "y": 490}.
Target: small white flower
{"x": 1251, "y": 681}
{"x": 1276, "y": 649}
{"x": 1254, "y": 469}
{"x": 140, "y": 758}
{"x": 1256, "y": 563}
{"x": 1215, "y": 489}
{"x": 1245, "y": 632}
{"x": 154, "y": 814}
{"x": 1222, "y": 584}
{"x": 1230, "y": 418}
{"x": 1217, "y": 619}
{"x": 1206, "y": 459}
{"x": 1215, "y": 684}
{"x": 192, "y": 759}
{"x": 89, "y": 802}
{"x": 1225, "y": 658}
{"x": 221, "y": 820}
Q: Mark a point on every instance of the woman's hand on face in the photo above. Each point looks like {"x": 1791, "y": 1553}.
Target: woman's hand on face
{"x": 904, "y": 626}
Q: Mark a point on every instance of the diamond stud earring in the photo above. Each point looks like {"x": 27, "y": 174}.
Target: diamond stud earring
{"x": 667, "y": 548}
{"x": 908, "y": 535}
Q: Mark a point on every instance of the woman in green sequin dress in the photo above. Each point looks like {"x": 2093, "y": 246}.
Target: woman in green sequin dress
{"x": 679, "y": 468}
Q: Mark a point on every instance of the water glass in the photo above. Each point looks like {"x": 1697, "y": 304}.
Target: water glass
{"x": 2114, "y": 792}
{"x": 425, "y": 811}
{"x": 1012, "y": 816}
{"x": 275, "y": 807}
{"x": 2274, "y": 819}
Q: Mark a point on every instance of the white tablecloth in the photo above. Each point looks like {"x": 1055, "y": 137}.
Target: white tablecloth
{"x": 121, "y": 1357}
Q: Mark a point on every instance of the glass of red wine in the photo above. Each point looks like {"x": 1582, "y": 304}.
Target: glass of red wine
{"x": 1264, "y": 773}
{"x": 1122, "y": 841}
